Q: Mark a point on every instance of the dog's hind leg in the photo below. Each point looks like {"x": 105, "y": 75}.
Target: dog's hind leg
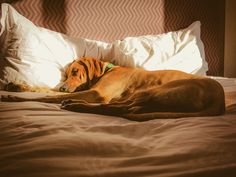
{"x": 115, "y": 108}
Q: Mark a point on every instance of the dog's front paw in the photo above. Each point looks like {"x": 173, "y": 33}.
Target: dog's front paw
{"x": 70, "y": 101}
{"x": 135, "y": 109}
{"x": 65, "y": 102}
{"x": 77, "y": 105}
{"x": 69, "y": 106}
{"x": 8, "y": 98}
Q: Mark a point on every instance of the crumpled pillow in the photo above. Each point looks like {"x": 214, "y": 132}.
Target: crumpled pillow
{"x": 179, "y": 50}
{"x": 37, "y": 56}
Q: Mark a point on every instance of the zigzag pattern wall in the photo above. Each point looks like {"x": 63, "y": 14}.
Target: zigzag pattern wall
{"x": 108, "y": 20}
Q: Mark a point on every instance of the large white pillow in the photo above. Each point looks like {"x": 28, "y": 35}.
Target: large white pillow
{"x": 180, "y": 50}
{"x": 38, "y": 56}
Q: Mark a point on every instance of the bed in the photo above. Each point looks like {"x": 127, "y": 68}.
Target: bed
{"x": 40, "y": 139}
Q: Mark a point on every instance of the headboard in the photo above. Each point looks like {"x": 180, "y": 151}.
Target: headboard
{"x": 108, "y": 20}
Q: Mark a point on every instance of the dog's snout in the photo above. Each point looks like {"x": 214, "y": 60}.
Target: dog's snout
{"x": 63, "y": 88}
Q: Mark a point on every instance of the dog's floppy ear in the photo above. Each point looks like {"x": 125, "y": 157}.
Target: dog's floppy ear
{"x": 85, "y": 63}
{"x": 94, "y": 67}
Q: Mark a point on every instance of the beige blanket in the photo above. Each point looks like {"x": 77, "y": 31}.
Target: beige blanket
{"x": 40, "y": 139}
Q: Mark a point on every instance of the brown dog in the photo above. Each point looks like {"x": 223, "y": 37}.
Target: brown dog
{"x": 135, "y": 93}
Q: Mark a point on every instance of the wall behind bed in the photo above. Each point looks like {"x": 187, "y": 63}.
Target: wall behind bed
{"x": 108, "y": 20}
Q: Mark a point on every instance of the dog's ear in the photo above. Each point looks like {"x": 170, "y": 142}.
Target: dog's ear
{"x": 88, "y": 68}
{"x": 94, "y": 67}
{"x": 100, "y": 68}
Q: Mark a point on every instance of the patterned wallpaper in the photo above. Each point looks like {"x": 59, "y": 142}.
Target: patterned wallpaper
{"x": 115, "y": 19}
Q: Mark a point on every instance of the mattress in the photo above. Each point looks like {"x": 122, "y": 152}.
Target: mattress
{"x": 40, "y": 139}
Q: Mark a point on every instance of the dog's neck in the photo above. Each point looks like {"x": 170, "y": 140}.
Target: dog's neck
{"x": 108, "y": 66}
{"x": 95, "y": 70}
{"x": 98, "y": 73}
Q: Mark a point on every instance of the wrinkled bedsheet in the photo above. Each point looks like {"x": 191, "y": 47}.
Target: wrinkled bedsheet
{"x": 40, "y": 139}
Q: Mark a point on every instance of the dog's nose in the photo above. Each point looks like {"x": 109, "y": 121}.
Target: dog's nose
{"x": 63, "y": 88}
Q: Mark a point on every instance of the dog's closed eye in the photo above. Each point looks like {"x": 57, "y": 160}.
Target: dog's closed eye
{"x": 74, "y": 71}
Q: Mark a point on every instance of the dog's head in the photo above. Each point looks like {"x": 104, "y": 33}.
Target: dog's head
{"x": 82, "y": 73}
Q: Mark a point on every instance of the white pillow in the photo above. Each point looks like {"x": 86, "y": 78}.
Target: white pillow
{"x": 37, "y": 56}
{"x": 180, "y": 50}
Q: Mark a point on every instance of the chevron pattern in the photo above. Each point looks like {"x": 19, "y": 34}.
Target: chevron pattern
{"x": 114, "y": 19}
{"x": 211, "y": 15}
{"x": 54, "y": 15}
{"x": 33, "y": 12}
{"x": 108, "y": 20}
{"x": 47, "y": 13}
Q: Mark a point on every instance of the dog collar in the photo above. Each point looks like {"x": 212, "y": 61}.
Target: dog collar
{"x": 110, "y": 65}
